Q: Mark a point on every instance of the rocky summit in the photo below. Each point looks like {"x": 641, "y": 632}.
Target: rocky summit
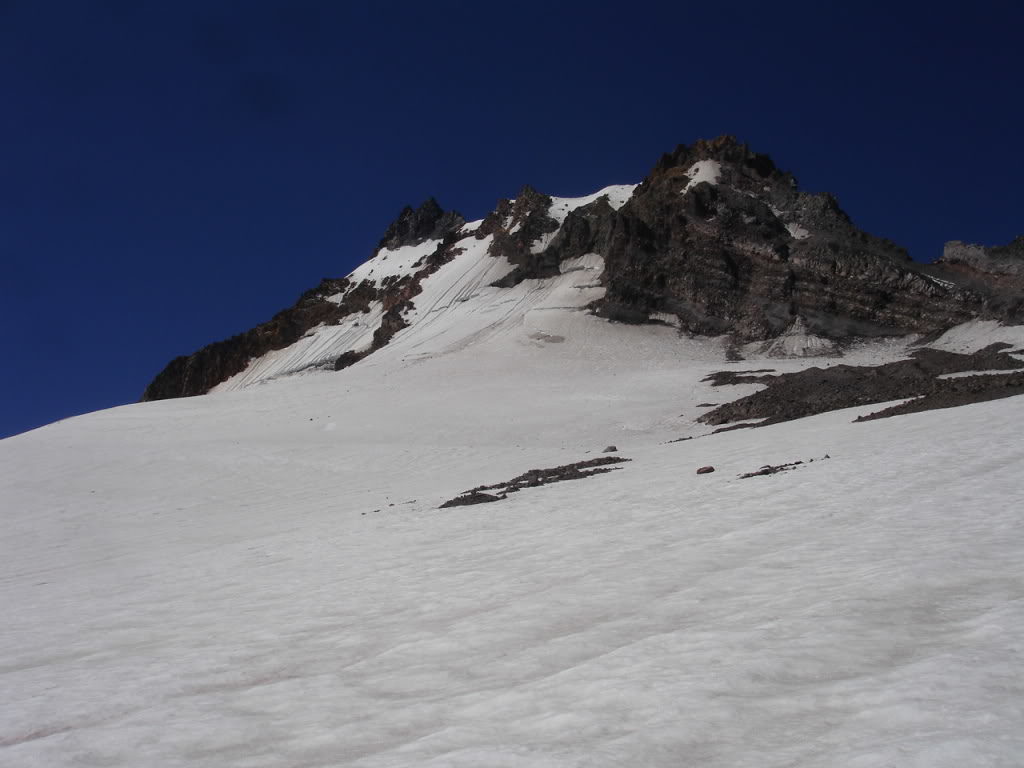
{"x": 716, "y": 240}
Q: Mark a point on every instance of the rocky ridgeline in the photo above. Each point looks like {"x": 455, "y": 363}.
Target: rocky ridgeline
{"x": 716, "y": 236}
{"x": 199, "y": 372}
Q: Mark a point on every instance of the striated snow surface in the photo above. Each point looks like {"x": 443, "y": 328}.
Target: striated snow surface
{"x": 262, "y": 577}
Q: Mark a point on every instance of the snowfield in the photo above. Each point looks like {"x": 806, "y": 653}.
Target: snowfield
{"x": 262, "y": 578}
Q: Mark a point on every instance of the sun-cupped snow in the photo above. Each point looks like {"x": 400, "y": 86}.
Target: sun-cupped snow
{"x": 709, "y": 171}
{"x": 263, "y": 577}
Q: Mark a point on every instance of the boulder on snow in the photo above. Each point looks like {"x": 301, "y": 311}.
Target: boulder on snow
{"x": 705, "y": 470}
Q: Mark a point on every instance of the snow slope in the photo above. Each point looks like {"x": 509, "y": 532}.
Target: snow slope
{"x": 223, "y": 580}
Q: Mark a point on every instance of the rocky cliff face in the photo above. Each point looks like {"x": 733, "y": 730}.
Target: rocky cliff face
{"x": 725, "y": 241}
{"x": 716, "y": 238}
{"x": 997, "y": 273}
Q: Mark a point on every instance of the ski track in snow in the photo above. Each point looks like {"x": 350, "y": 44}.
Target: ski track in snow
{"x": 262, "y": 577}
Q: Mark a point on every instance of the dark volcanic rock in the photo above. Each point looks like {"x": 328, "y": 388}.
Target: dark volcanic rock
{"x": 774, "y": 469}
{"x": 515, "y": 226}
{"x": 996, "y": 272}
{"x": 535, "y": 478}
{"x": 428, "y": 222}
{"x": 750, "y": 253}
{"x": 469, "y": 499}
{"x": 1003, "y": 260}
{"x": 950, "y": 393}
{"x": 817, "y": 390}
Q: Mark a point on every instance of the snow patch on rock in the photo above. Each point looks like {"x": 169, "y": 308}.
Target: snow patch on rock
{"x": 797, "y": 232}
{"x": 798, "y": 341}
{"x": 709, "y": 171}
{"x": 617, "y": 195}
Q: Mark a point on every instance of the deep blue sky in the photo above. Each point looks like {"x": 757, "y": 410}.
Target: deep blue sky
{"x": 173, "y": 173}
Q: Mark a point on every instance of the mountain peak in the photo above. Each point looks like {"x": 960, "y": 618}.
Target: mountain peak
{"x": 414, "y": 226}
{"x": 724, "y": 149}
{"x": 716, "y": 241}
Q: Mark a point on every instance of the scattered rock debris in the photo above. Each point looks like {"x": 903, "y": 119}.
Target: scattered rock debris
{"x": 773, "y": 469}
{"x": 533, "y": 479}
{"x": 705, "y": 470}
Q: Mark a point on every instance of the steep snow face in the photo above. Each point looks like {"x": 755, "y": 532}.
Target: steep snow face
{"x": 223, "y": 580}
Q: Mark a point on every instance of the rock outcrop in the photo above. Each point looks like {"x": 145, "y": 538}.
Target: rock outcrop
{"x": 721, "y": 238}
{"x": 937, "y": 379}
{"x": 413, "y": 226}
{"x": 1001, "y": 260}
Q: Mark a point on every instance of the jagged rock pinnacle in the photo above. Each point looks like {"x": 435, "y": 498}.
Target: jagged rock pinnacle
{"x": 428, "y": 222}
